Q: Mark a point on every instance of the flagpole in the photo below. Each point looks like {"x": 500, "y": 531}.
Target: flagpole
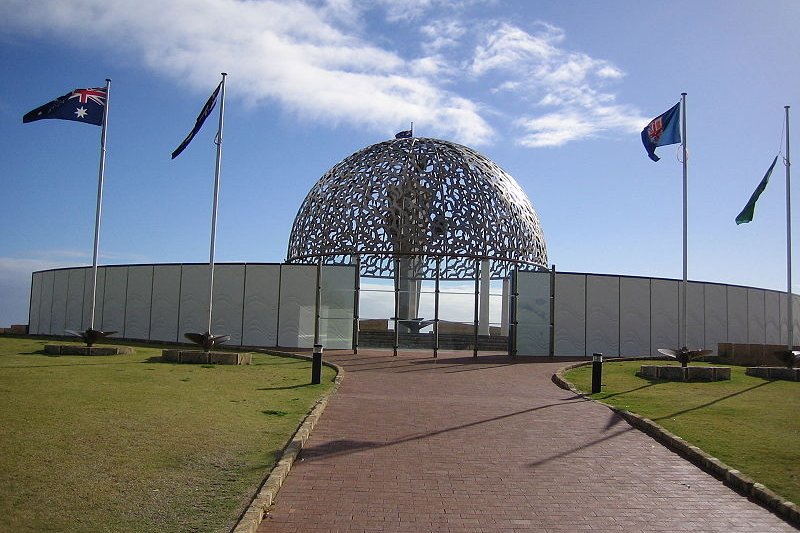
{"x": 99, "y": 202}
{"x": 789, "y": 306}
{"x": 218, "y": 142}
{"x": 685, "y": 222}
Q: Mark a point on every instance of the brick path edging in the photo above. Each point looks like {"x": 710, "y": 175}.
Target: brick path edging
{"x": 729, "y": 476}
{"x": 262, "y": 501}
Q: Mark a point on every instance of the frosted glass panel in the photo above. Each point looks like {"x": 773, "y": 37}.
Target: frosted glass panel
{"x": 137, "y": 313}
{"x": 664, "y": 331}
{"x": 338, "y": 292}
{"x": 695, "y": 316}
{"x": 193, "y": 316}
{"x": 77, "y": 277}
{"x": 116, "y": 288}
{"x": 228, "y": 301}
{"x": 602, "y": 315}
{"x": 716, "y": 314}
{"x": 772, "y": 318}
{"x": 36, "y": 295}
{"x": 46, "y": 302}
{"x": 262, "y": 287}
{"x": 336, "y": 333}
{"x": 87, "y": 298}
{"x": 337, "y": 306}
{"x": 533, "y": 313}
{"x": 796, "y": 319}
{"x": 297, "y": 301}
{"x": 634, "y": 317}
{"x": 570, "y": 315}
{"x": 58, "y": 316}
{"x": 755, "y": 316}
{"x": 737, "y": 315}
{"x": 166, "y": 298}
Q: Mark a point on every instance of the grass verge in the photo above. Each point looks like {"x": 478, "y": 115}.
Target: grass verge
{"x": 128, "y": 443}
{"x": 749, "y": 423}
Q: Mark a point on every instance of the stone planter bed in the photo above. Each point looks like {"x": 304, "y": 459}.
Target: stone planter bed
{"x": 774, "y": 372}
{"x": 71, "y": 349}
{"x": 201, "y": 357}
{"x": 689, "y": 373}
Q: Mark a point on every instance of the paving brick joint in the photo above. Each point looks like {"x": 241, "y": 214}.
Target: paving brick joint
{"x": 458, "y": 444}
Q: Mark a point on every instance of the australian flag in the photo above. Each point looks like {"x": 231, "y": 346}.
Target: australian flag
{"x": 403, "y": 134}
{"x": 80, "y": 105}
{"x": 662, "y": 130}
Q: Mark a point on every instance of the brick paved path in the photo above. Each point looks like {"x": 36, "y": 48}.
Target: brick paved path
{"x": 414, "y": 444}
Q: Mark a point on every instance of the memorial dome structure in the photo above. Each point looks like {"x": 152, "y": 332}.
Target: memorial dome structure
{"x": 432, "y": 208}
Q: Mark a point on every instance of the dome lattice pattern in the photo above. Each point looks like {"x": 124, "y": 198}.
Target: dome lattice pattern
{"x": 423, "y": 200}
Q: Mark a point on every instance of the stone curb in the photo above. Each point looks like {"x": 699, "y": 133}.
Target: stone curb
{"x": 252, "y": 517}
{"x": 729, "y": 476}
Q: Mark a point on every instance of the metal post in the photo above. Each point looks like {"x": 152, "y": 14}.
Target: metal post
{"x": 396, "y": 306}
{"x": 436, "y": 310}
{"x": 552, "y": 340}
{"x": 597, "y": 372}
{"x": 477, "y": 305}
{"x": 789, "y": 306}
{"x": 356, "y": 298}
{"x": 512, "y": 316}
{"x": 100, "y": 178}
{"x": 217, "y": 167}
{"x": 316, "y": 365}
{"x": 685, "y": 222}
{"x": 317, "y": 302}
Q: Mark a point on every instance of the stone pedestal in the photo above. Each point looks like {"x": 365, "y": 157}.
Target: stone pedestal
{"x": 209, "y": 358}
{"x": 689, "y": 373}
{"x": 774, "y": 372}
{"x": 71, "y": 349}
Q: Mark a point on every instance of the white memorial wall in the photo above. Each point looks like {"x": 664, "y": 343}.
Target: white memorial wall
{"x": 634, "y": 316}
{"x": 256, "y": 304}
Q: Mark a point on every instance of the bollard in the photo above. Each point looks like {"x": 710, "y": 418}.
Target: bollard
{"x": 316, "y": 365}
{"x": 597, "y": 372}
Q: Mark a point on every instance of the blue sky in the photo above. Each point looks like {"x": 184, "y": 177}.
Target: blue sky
{"x": 554, "y": 92}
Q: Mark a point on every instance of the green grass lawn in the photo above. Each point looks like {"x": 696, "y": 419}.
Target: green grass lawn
{"x": 128, "y": 443}
{"x": 749, "y": 423}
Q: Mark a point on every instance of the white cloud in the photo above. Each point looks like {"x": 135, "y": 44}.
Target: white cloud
{"x": 443, "y": 33}
{"x": 571, "y": 86}
{"x": 291, "y": 52}
{"x": 323, "y": 61}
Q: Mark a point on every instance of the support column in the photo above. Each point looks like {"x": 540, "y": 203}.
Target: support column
{"x": 485, "y": 293}
{"x": 356, "y": 260}
{"x": 477, "y": 305}
{"x": 506, "y": 299}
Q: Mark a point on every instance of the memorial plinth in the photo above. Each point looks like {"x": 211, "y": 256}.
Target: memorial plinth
{"x": 71, "y": 349}
{"x": 209, "y": 358}
{"x": 774, "y": 372}
{"x": 687, "y": 373}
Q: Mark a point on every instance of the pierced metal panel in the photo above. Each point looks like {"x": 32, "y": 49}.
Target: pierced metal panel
{"x": 419, "y": 198}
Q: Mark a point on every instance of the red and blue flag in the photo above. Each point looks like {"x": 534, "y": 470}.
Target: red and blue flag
{"x": 662, "y": 130}
{"x": 80, "y": 105}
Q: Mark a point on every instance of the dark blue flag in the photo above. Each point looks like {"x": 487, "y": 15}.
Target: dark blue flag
{"x": 207, "y": 109}
{"x": 662, "y": 130}
{"x": 403, "y": 134}
{"x": 80, "y": 105}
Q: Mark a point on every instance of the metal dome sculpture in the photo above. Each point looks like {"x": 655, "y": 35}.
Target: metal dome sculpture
{"x": 421, "y": 202}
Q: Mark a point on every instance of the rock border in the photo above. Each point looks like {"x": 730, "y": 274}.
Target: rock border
{"x": 729, "y": 476}
{"x": 254, "y": 514}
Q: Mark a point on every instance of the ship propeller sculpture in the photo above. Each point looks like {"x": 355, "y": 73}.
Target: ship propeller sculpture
{"x": 684, "y": 355}
{"x": 789, "y": 357}
{"x": 207, "y": 340}
{"x": 90, "y": 336}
